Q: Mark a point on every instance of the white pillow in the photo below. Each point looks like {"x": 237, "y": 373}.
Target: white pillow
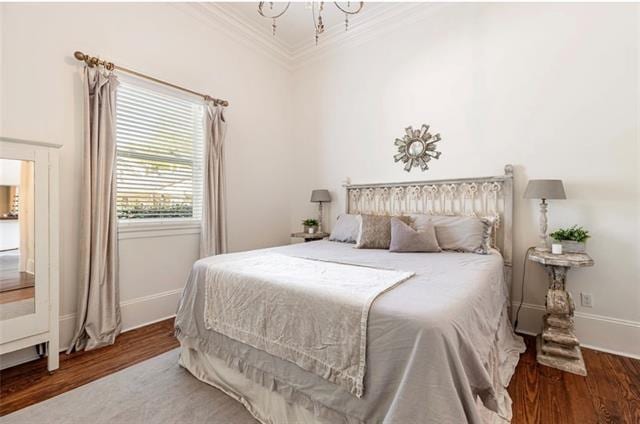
{"x": 346, "y": 229}
{"x": 459, "y": 233}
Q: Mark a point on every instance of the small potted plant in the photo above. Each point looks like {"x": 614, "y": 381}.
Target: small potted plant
{"x": 572, "y": 239}
{"x": 310, "y": 225}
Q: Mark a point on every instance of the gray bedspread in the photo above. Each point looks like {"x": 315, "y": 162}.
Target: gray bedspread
{"x": 438, "y": 344}
{"x": 253, "y": 300}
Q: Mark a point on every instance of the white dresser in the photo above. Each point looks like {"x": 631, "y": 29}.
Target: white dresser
{"x": 29, "y": 269}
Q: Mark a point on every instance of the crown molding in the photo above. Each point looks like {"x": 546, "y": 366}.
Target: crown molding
{"x": 382, "y": 19}
{"x": 376, "y": 21}
{"x": 389, "y": 18}
{"x": 223, "y": 18}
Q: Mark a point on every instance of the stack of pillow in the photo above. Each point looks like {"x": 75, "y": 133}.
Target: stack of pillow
{"x": 415, "y": 233}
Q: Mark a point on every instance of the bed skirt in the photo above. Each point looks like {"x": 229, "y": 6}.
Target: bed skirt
{"x": 266, "y": 406}
{"x": 271, "y": 407}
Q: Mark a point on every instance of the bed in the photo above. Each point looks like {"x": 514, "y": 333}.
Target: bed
{"x": 440, "y": 346}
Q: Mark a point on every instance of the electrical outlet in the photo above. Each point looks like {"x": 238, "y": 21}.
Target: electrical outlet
{"x": 586, "y": 299}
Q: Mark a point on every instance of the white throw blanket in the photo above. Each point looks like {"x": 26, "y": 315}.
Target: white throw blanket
{"x": 310, "y": 312}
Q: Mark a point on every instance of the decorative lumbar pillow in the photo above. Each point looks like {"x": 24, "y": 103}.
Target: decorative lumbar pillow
{"x": 459, "y": 233}
{"x": 406, "y": 239}
{"x": 375, "y": 231}
{"x": 346, "y": 229}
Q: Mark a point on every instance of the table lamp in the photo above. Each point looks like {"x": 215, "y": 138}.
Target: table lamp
{"x": 320, "y": 196}
{"x": 544, "y": 190}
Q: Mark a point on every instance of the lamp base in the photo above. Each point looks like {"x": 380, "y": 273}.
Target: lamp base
{"x": 544, "y": 243}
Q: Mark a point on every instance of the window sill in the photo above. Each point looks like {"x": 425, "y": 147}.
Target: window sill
{"x": 133, "y": 229}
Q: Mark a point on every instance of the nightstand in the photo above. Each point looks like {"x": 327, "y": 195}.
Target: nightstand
{"x": 558, "y": 347}
{"x": 310, "y": 236}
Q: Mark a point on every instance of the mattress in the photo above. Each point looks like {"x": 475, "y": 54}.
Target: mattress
{"x": 438, "y": 345}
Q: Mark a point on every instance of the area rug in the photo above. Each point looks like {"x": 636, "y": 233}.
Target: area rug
{"x": 155, "y": 391}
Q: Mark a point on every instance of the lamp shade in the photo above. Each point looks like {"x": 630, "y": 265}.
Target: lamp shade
{"x": 320, "y": 196}
{"x": 545, "y": 189}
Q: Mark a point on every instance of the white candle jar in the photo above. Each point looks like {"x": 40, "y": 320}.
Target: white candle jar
{"x": 556, "y": 249}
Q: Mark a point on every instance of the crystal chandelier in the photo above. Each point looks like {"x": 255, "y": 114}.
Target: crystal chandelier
{"x": 267, "y": 10}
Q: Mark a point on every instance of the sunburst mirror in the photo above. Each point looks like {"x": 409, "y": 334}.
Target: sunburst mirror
{"x": 417, "y": 148}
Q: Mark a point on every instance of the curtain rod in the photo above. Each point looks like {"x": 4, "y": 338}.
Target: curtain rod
{"x": 92, "y": 61}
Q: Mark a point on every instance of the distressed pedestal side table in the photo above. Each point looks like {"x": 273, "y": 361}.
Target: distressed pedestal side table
{"x": 558, "y": 346}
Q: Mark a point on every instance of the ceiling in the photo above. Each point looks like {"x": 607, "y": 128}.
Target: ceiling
{"x": 294, "y": 42}
{"x": 295, "y": 27}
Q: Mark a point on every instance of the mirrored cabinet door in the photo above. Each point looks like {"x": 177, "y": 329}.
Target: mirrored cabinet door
{"x": 28, "y": 293}
{"x": 17, "y": 239}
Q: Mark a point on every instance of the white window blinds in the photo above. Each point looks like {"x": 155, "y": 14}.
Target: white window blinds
{"x": 160, "y": 140}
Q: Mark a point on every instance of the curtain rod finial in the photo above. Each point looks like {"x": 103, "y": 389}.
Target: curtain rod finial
{"x": 79, "y": 55}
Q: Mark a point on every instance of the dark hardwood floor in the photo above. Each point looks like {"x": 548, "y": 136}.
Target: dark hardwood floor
{"x": 30, "y": 383}
{"x": 609, "y": 394}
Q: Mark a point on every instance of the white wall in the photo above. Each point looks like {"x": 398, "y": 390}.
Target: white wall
{"x": 9, "y": 172}
{"x": 41, "y": 100}
{"x": 9, "y": 234}
{"x": 550, "y": 88}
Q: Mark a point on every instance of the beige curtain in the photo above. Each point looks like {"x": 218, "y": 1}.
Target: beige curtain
{"x": 213, "y": 235}
{"x": 98, "y": 300}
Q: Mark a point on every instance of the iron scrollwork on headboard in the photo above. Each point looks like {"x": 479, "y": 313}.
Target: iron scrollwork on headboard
{"x": 482, "y": 197}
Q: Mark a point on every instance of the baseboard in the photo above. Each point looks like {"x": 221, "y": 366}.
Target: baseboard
{"x": 597, "y": 332}
{"x": 136, "y": 313}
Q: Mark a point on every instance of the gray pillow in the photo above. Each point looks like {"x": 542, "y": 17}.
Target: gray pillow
{"x": 346, "y": 229}
{"x": 406, "y": 239}
{"x": 460, "y": 233}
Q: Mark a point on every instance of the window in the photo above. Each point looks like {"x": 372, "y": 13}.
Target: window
{"x": 160, "y": 139}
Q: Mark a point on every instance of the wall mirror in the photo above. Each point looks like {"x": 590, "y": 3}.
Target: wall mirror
{"x": 417, "y": 148}
{"x": 17, "y": 238}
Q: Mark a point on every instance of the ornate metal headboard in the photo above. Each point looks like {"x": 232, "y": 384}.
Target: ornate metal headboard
{"x": 484, "y": 196}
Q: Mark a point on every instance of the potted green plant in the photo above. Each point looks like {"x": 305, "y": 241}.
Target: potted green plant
{"x": 310, "y": 225}
{"x": 572, "y": 239}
